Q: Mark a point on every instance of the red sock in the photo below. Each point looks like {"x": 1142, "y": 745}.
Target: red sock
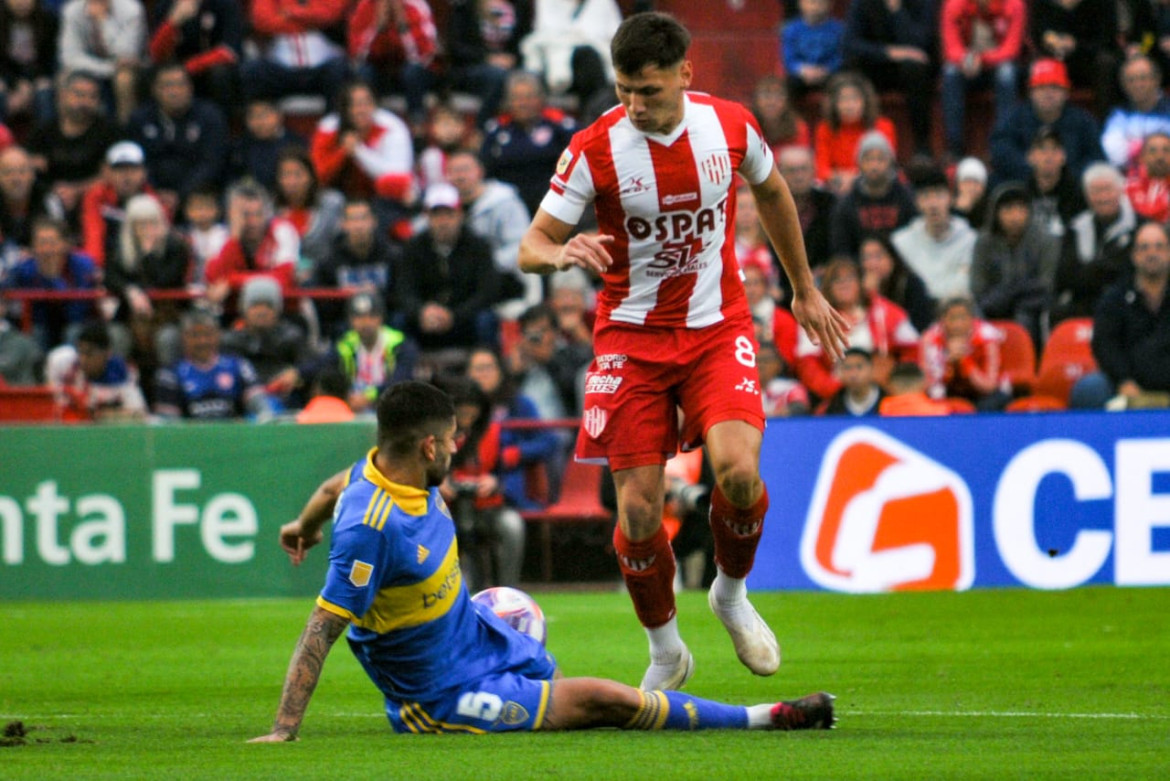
{"x": 648, "y": 569}
{"x": 737, "y": 532}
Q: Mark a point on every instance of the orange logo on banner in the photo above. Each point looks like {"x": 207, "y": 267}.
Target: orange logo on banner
{"x": 885, "y": 517}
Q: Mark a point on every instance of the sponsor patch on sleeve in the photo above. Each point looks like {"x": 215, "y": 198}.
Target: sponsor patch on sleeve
{"x": 564, "y": 162}
{"x": 360, "y": 572}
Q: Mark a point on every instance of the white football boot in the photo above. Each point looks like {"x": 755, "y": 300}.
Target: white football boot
{"x": 755, "y": 644}
{"x": 669, "y": 676}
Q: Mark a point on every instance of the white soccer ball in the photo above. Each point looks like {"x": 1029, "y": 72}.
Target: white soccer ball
{"x": 518, "y": 610}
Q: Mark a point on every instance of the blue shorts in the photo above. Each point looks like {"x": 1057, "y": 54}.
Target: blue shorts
{"x": 503, "y": 702}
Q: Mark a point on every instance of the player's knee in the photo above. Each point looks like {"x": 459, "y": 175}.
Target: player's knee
{"x": 613, "y": 704}
{"x": 641, "y": 518}
{"x": 739, "y": 480}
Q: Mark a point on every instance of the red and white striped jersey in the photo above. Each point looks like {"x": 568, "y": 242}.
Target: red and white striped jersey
{"x": 669, "y": 203}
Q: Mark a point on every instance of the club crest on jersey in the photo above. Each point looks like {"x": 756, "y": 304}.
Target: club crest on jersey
{"x": 716, "y": 168}
{"x": 360, "y": 572}
{"x": 594, "y": 421}
{"x": 564, "y": 162}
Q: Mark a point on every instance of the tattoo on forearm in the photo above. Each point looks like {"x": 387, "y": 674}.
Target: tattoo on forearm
{"x": 304, "y": 670}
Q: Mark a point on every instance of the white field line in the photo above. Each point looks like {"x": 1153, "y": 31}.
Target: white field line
{"x": 1002, "y": 714}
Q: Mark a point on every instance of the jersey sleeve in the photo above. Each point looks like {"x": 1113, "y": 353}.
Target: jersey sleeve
{"x": 571, "y": 189}
{"x": 757, "y": 158}
{"x": 357, "y": 561}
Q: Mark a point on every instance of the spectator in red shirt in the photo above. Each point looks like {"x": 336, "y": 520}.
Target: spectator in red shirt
{"x": 366, "y": 152}
{"x": 981, "y": 42}
{"x": 260, "y": 245}
{"x": 1148, "y": 186}
{"x": 297, "y": 54}
{"x": 393, "y": 43}
{"x": 960, "y": 358}
{"x": 851, "y": 111}
{"x": 102, "y": 207}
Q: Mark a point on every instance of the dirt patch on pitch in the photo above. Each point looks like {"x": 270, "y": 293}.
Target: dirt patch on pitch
{"x": 16, "y": 733}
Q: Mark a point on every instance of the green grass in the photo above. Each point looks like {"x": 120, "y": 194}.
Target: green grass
{"x": 1012, "y": 683}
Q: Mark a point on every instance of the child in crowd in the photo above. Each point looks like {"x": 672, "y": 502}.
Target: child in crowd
{"x": 851, "y": 111}
{"x": 811, "y": 46}
{"x": 205, "y": 229}
{"x": 960, "y": 355}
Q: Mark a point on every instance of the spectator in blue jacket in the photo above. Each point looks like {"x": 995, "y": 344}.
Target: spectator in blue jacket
{"x": 522, "y": 145}
{"x": 52, "y": 267}
{"x": 183, "y": 137}
{"x": 1047, "y": 105}
{"x": 811, "y": 46}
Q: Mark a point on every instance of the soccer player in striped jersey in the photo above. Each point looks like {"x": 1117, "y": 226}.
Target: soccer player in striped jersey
{"x": 443, "y": 662}
{"x": 674, "y": 329}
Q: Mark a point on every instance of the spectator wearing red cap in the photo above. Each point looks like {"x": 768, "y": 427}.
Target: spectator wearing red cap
{"x": 1047, "y": 105}
{"x": 1083, "y": 35}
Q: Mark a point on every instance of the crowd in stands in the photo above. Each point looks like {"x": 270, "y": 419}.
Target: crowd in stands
{"x": 209, "y": 261}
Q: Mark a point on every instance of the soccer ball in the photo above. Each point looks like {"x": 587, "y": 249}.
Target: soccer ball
{"x": 518, "y": 610}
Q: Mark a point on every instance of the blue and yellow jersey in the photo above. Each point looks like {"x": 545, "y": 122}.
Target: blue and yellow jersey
{"x": 394, "y": 572}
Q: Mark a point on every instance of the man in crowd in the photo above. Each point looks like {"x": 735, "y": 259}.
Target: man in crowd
{"x": 1131, "y": 327}
{"x": 495, "y": 212}
{"x": 1148, "y": 186}
{"x": 183, "y": 137}
{"x": 937, "y": 245}
{"x": 448, "y": 282}
{"x": 877, "y": 202}
{"x": 104, "y": 203}
{"x": 69, "y": 151}
{"x": 1047, "y": 104}
{"x": 207, "y": 384}
{"x": 859, "y": 394}
{"x": 102, "y": 382}
{"x": 1146, "y": 111}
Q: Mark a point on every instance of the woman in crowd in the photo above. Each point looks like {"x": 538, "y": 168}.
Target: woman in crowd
{"x": 313, "y": 211}
{"x": 884, "y": 272}
{"x": 876, "y": 324}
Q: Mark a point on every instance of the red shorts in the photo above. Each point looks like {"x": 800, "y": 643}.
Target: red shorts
{"x": 641, "y": 376}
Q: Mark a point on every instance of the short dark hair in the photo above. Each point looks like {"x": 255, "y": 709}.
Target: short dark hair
{"x": 45, "y": 222}
{"x": 410, "y": 411}
{"x": 534, "y": 314}
{"x": 860, "y": 352}
{"x": 650, "y": 38}
{"x": 332, "y": 382}
{"x": 95, "y": 334}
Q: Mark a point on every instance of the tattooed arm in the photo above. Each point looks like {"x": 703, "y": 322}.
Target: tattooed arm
{"x": 321, "y": 631}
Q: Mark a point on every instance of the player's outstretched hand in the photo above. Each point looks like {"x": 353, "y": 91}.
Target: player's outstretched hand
{"x": 589, "y": 252}
{"x": 824, "y": 325}
{"x": 295, "y": 543}
{"x": 275, "y": 737}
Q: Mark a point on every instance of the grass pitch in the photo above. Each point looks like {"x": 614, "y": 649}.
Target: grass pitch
{"x": 983, "y": 684}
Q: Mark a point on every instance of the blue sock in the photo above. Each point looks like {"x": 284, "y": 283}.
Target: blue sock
{"x": 675, "y": 710}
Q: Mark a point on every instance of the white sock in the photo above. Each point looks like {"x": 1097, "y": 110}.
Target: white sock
{"x": 759, "y": 716}
{"x": 666, "y": 643}
{"x": 729, "y": 590}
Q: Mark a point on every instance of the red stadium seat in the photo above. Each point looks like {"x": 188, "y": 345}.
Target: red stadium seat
{"x": 1036, "y": 404}
{"x": 580, "y": 502}
{"x": 1017, "y": 356}
{"x": 1066, "y": 358}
